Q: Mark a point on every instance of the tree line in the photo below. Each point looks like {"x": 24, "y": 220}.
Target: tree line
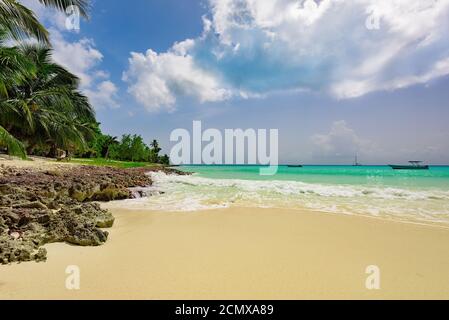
{"x": 42, "y": 110}
{"x": 128, "y": 148}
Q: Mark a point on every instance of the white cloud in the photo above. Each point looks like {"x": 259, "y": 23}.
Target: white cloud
{"x": 339, "y": 141}
{"x": 156, "y": 79}
{"x": 255, "y": 47}
{"x": 81, "y": 57}
{"x": 103, "y": 95}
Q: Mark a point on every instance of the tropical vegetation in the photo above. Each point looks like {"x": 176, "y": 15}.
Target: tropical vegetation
{"x": 130, "y": 148}
{"x": 42, "y": 110}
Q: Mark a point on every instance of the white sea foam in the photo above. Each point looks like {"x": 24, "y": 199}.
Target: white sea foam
{"x": 191, "y": 193}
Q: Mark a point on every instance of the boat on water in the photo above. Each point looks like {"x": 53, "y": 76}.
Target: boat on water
{"x": 356, "y": 162}
{"x": 295, "y": 166}
{"x": 414, "y": 165}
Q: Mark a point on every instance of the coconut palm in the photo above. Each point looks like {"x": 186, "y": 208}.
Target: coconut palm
{"x": 109, "y": 142}
{"x": 83, "y": 5}
{"x": 12, "y": 145}
{"x": 21, "y": 22}
{"x": 14, "y": 67}
{"x": 39, "y": 101}
{"x": 46, "y": 108}
{"x": 155, "y": 145}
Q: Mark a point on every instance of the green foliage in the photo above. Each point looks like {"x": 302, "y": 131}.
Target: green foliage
{"x": 112, "y": 163}
{"x": 165, "y": 160}
{"x": 21, "y": 23}
{"x": 83, "y": 5}
{"x": 130, "y": 148}
{"x": 41, "y": 108}
{"x": 44, "y": 109}
{"x": 99, "y": 146}
{"x": 13, "y": 146}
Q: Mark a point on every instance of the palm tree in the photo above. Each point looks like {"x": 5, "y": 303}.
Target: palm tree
{"x": 13, "y": 146}
{"x": 155, "y": 145}
{"x": 154, "y": 152}
{"x": 14, "y": 67}
{"x": 46, "y": 107}
{"x": 83, "y": 5}
{"x": 109, "y": 142}
{"x": 21, "y": 22}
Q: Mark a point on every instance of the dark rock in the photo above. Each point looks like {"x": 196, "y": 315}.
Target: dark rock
{"x": 41, "y": 255}
{"x": 31, "y": 205}
{"x": 110, "y": 194}
{"x": 54, "y": 173}
{"x": 40, "y": 207}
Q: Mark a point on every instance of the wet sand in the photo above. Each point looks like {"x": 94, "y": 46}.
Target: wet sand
{"x": 242, "y": 253}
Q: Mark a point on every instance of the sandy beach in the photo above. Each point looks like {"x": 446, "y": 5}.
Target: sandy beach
{"x": 243, "y": 254}
{"x": 36, "y": 163}
{"x": 224, "y": 150}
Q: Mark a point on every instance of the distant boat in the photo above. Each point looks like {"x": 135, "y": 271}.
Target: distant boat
{"x": 356, "y": 162}
{"x": 414, "y": 165}
{"x": 295, "y": 166}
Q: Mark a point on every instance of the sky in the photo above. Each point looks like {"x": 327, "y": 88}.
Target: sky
{"x": 336, "y": 77}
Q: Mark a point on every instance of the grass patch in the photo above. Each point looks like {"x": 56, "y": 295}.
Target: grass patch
{"x": 113, "y": 163}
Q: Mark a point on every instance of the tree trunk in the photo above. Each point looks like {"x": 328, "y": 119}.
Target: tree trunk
{"x": 30, "y": 149}
{"x": 53, "y": 153}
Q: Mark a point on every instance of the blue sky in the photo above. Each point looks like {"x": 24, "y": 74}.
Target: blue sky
{"x": 332, "y": 89}
{"x": 119, "y": 28}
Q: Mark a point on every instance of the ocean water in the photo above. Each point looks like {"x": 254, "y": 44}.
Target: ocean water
{"x": 408, "y": 195}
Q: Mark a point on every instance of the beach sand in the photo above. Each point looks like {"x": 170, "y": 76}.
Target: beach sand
{"x": 36, "y": 163}
{"x": 243, "y": 254}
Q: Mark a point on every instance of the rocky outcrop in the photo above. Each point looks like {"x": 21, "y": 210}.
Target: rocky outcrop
{"x": 40, "y": 207}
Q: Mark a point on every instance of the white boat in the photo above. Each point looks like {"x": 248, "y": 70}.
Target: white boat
{"x": 414, "y": 165}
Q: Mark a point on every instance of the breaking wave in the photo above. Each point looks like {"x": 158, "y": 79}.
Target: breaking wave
{"x": 192, "y": 193}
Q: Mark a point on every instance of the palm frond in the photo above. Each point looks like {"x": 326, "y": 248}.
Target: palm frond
{"x": 83, "y": 5}
{"x": 14, "y": 146}
{"x": 44, "y": 107}
{"x": 20, "y": 22}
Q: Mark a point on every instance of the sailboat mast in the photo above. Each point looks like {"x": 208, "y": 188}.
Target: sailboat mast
{"x": 356, "y": 163}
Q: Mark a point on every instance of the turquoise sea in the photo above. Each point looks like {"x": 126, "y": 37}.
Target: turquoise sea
{"x": 406, "y": 195}
{"x": 436, "y": 177}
